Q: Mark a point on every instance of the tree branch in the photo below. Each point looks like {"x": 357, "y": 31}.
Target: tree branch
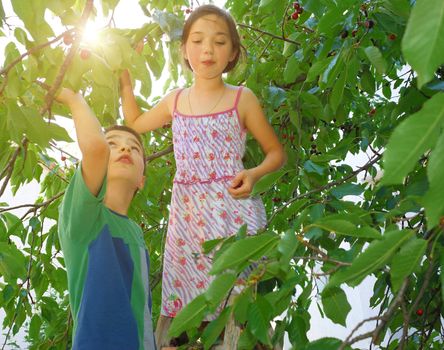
{"x": 159, "y": 154}
{"x": 10, "y": 166}
{"x": 49, "y": 98}
{"x": 325, "y": 187}
{"x": 32, "y": 50}
{"x": 384, "y": 319}
{"x": 34, "y": 206}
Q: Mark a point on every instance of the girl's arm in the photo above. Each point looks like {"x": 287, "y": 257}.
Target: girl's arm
{"x": 255, "y": 122}
{"x": 140, "y": 121}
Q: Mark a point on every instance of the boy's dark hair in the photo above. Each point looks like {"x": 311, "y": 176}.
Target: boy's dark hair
{"x": 210, "y": 9}
{"x": 133, "y": 132}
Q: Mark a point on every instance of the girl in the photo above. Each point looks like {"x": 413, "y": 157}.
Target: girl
{"x": 210, "y": 119}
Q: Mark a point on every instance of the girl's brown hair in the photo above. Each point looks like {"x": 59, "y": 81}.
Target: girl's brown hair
{"x": 206, "y": 10}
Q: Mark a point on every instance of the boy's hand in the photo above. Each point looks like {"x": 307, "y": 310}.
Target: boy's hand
{"x": 125, "y": 80}
{"x": 242, "y": 184}
{"x": 66, "y": 96}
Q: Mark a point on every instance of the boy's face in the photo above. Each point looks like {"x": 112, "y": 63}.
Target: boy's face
{"x": 126, "y": 158}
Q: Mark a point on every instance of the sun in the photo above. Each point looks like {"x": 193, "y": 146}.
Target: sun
{"x": 91, "y": 33}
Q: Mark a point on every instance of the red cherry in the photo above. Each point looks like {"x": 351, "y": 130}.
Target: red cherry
{"x": 420, "y": 312}
{"x": 372, "y": 111}
{"x": 300, "y": 10}
{"x": 68, "y": 39}
{"x": 295, "y": 16}
{"x": 142, "y": 225}
{"x": 392, "y": 36}
{"x": 85, "y": 54}
{"x": 63, "y": 158}
{"x": 369, "y": 24}
{"x": 296, "y": 5}
{"x": 354, "y": 32}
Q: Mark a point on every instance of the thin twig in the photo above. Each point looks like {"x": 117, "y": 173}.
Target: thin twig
{"x": 35, "y": 205}
{"x": 268, "y": 33}
{"x": 159, "y": 154}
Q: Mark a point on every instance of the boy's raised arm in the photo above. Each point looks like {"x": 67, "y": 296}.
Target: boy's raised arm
{"x": 90, "y": 137}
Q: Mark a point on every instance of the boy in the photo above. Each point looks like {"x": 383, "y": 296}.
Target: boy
{"x": 105, "y": 255}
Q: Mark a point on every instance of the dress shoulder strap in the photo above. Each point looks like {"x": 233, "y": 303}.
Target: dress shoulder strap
{"x": 239, "y": 91}
{"x": 176, "y": 99}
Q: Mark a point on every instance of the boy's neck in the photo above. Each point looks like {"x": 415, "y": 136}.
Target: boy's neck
{"x": 118, "y": 197}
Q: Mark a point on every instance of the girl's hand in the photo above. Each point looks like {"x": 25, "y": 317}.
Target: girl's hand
{"x": 242, "y": 184}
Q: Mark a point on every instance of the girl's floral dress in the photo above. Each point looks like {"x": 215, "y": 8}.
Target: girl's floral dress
{"x": 208, "y": 150}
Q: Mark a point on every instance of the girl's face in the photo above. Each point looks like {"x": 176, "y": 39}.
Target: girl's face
{"x": 208, "y": 48}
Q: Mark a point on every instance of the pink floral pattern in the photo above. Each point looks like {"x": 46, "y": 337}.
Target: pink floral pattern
{"x": 208, "y": 152}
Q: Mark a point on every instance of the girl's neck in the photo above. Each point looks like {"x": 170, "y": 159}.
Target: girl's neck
{"x": 208, "y": 85}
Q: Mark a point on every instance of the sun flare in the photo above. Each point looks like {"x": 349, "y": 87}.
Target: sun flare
{"x": 91, "y": 33}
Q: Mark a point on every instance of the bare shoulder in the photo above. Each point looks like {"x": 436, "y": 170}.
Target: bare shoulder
{"x": 248, "y": 105}
{"x": 170, "y": 98}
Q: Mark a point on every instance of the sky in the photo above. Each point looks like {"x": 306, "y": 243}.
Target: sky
{"x": 129, "y": 15}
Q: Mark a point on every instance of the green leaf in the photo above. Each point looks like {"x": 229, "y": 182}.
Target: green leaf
{"x": 433, "y": 199}
{"x": 414, "y": 136}
{"x": 343, "y": 227}
{"x": 325, "y": 344}
{"x": 398, "y": 7}
{"x": 208, "y": 246}
{"x": 368, "y": 82}
{"x": 265, "y": 183}
{"x": 287, "y": 246}
{"x": 347, "y": 189}
{"x": 405, "y": 262}
{"x": 376, "y": 59}
{"x": 219, "y": 289}
{"x": 329, "y": 22}
{"x": 292, "y": 70}
{"x": 312, "y": 167}
{"x": 442, "y": 276}
{"x": 297, "y": 331}
{"x": 12, "y": 262}
{"x": 265, "y": 3}
{"x": 259, "y": 314}
{"x": 34, "y": 326}
{"x": 311, "y": 104}
{"x": 250, "y": 248}
{"x": 337, "y": 92}
{"x": 215, "y": 328}
{"x": 336, "y": 305}
{"x": 317, "y": 68}
{"x": 424, "y": 39}
{"x": 375, "y": 256}
{"x": 189, "y": 317}
{"x": 241, "y": 303}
